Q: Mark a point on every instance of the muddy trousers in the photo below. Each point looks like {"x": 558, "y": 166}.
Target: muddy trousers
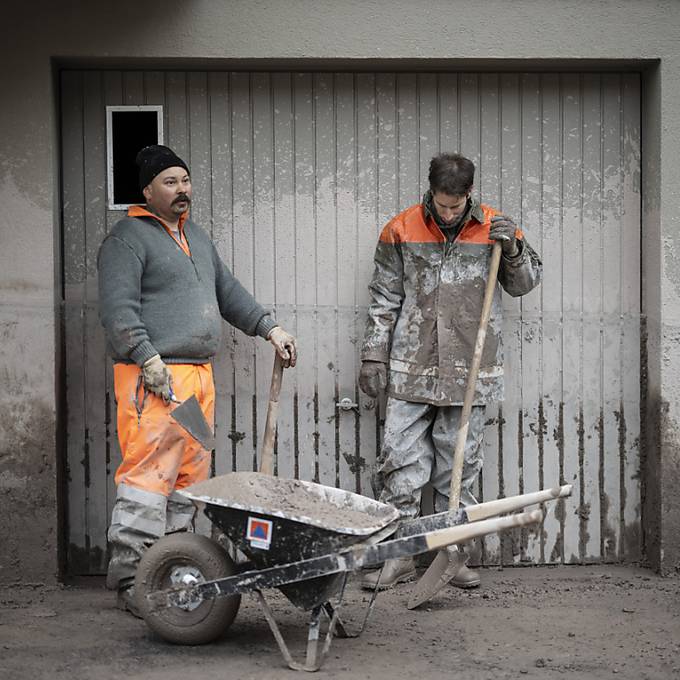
{"x": 418, "y": 444}
{"x": 140, "y": 518}
{"x": 159, "y": 458}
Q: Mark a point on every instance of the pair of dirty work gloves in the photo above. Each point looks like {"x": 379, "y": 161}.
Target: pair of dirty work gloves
{"x": 158, "y": 379}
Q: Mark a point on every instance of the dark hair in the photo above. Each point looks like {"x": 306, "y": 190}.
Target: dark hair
{"x": 451, "y": 174}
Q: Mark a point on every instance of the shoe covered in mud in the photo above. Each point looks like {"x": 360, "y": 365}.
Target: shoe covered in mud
{"x": 126, "y": 601}
{"x": 394, "y": 571}
{"x": 466, "y": 578}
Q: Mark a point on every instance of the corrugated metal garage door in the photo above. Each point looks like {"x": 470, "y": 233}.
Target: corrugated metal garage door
{"x": 294, "y": 175}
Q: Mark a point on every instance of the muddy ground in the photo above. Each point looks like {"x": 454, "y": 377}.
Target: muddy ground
{"x": 576, "y": 622}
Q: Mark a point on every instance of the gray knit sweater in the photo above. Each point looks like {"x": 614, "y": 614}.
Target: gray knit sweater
{"x": 154, "y": 299}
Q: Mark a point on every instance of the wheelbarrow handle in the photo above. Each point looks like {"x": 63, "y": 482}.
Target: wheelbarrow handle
{"x": 267, "y": 452}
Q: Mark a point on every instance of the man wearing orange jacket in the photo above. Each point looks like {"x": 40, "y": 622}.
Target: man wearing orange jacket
{"x": 163, "y": 292}
{"x": 431, "y": 267}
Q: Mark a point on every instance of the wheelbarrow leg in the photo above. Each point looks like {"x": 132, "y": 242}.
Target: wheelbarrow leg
{"x": 313, "y": 660}
{"x": 313, "y": 641}
{"x": 334, "y": 622}
{"x": 276, "y": 632}
{"x": 374, "y": 595}
{"x": 332, "y": 612}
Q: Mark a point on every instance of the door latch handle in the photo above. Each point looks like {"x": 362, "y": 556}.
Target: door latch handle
{"x": 346, "y": 404}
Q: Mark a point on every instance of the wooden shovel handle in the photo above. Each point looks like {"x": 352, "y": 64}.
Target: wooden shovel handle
{"x": 466, "y": 532}
{"x": 459, "y": 451}
{"x": 267, "y": 453}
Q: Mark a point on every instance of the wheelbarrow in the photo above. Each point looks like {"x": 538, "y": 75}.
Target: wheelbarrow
{"x": 301, "y": 538}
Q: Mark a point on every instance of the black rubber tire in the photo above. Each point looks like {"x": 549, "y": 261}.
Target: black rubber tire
{"x": 180, "y": 626}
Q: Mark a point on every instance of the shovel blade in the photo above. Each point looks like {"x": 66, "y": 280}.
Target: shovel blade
{"x": 189, "y": 416}
{"x": 446, "y": 564}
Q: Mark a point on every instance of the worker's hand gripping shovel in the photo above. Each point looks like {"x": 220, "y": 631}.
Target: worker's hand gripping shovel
{"x": 449, "y": 561}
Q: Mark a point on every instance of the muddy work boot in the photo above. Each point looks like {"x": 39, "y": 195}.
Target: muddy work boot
{"x": 466, "y": 578}
{"x": 126, "y": 600}
{"x": 394, "y": 571}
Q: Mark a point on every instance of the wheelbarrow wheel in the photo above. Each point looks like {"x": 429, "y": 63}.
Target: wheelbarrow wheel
{"x": 185, "y": 559}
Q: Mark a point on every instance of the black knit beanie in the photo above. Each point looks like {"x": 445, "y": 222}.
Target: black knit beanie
{"x": 153, "y": 160}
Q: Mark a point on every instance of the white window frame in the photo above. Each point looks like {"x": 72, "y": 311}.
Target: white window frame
{"x": 109, "y": 147}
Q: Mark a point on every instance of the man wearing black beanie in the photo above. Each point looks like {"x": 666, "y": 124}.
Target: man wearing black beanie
{"x": 153, "y": 159}
{"x": 163, "y": 292}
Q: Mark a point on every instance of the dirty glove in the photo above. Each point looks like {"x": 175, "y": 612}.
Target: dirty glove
{"x": 372, "y": 377}
{"x": 157, "y": 377}
{"x": 285, "y": 346}
{"x": 503, "y": 230}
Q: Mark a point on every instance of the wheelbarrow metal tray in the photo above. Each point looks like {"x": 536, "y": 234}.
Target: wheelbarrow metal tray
{"x": 326, "y": 507}
{"x": 276, "y": 521}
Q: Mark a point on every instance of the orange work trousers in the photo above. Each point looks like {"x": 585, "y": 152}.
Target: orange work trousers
{"x": 158, "y": 454}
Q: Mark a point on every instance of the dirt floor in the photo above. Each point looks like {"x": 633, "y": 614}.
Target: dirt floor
{"x": 577, "y": 622}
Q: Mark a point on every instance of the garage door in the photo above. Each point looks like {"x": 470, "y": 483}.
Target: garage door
{"x": 294, "y": 175}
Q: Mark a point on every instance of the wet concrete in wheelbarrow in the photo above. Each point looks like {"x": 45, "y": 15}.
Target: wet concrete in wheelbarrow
{"x": 323, "y": 506}
{"x": 575, "y": 622}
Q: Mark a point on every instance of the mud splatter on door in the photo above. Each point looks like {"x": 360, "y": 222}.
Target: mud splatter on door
{"x": 294, "y": 175}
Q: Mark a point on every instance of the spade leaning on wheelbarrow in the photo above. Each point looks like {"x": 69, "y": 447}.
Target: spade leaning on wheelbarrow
{"x": 433, "y": 265}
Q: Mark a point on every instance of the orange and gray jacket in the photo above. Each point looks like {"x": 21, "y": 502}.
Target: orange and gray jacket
{"x": 426, "y": 302}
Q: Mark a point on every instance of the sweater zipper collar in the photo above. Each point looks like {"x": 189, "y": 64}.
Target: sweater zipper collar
{"x": 182, "y": 241}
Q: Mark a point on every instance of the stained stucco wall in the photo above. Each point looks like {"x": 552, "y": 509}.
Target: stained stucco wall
{"x": 41, "y": 34}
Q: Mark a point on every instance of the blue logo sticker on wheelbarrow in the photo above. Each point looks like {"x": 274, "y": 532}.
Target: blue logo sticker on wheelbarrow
{"x": 259, "y": 533}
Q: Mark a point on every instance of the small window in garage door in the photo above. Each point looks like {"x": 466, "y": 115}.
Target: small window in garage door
{"x": 128, "y": 129}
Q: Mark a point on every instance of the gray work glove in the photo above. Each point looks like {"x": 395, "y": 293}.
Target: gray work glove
{"x": 284, "y": 344}
{"x": 372, "y": 377}
{"x": 157, "y": 377}
{"x": 503, "y": 230}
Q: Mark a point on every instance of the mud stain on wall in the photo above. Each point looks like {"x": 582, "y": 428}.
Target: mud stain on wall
{"x": 28, "y": 531}
{"x": 669, "y": 485}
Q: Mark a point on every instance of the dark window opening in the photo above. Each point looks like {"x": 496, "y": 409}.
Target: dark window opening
{"x": 130, "y": 131}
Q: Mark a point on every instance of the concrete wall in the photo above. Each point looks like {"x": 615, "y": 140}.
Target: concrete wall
{"x": 523, "y": 34}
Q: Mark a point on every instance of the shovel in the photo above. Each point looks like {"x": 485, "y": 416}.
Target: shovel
{"x": 189, "y": 416}
{"x": 267, "y": 453}
{"x": 449, "y": 561}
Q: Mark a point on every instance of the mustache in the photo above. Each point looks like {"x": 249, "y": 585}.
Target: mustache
{"x": 182, "y": 198}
